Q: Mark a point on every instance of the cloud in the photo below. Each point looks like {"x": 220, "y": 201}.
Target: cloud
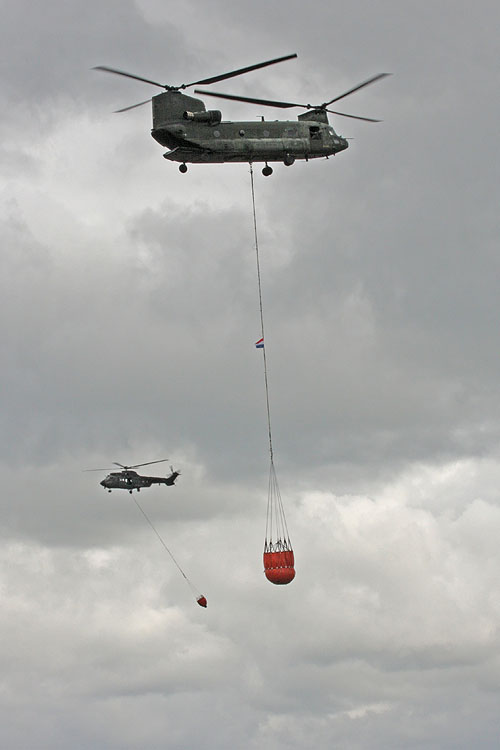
{"x": 367, "y": 630}
{"x": 130, "y": 309}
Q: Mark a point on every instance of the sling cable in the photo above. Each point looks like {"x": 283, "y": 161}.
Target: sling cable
{"x": 201, "y": 600}
{"x": 278, "y": 552}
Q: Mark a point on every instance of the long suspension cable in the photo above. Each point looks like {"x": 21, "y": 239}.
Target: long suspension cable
{"x": 162, "y": 542}
{"x": 261, "y": 314}
{"x": 276, "y": 521}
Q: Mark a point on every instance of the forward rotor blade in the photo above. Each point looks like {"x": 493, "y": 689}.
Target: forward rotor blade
{"x": 250, "y": 100}
{"x": 238, "y": 72}
{"x": 356, "y": 88}
{"x": 353, "y": 117}
{"x": 133, "y": 106}
{"x": 281, "y": 105}
{"x": 127, "y": 75}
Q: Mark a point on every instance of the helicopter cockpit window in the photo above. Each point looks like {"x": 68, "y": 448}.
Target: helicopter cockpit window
{"x": 315, "y": 133}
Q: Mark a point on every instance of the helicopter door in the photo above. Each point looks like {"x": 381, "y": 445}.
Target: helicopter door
{"x": 315, "y": 133}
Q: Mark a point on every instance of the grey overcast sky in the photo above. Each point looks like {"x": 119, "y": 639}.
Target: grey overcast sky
{"x": 130, "y": 311}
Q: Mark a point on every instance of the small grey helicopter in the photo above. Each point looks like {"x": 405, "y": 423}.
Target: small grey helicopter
{"x": 130, "y": 480}
{"x": 196, "y": 135}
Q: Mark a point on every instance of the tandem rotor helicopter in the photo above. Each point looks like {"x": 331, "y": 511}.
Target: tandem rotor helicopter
{"x": 196, "y": 135}
{"x": 128, "y": 479}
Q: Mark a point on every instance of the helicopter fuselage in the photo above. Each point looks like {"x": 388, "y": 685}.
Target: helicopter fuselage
{"x": 131, "y": 480}
{"x": 192, "y": 134}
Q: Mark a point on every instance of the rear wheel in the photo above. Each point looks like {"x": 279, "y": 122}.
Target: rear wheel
{"x": 267, "y": 171}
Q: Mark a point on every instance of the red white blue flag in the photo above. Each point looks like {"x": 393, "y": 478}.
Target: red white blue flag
{"x": 259, "y": 344}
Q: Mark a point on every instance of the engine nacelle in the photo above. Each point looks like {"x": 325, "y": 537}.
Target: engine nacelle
{"x": 211, "y": 116}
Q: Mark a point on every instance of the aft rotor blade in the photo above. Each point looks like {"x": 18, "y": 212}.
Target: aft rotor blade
{"x": 133, "y": 106}
{"x": 250, "y": 100}
{"x": 356, "y": 88}
{"x": 240, "y": 71}
{"x": 128, "y": 75}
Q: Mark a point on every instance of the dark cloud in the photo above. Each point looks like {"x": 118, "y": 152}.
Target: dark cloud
{"x": 47, "y": 52}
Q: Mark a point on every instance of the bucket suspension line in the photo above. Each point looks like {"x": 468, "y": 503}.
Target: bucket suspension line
{"x": 261, "y": 313}
{"x": 278, "y": 552}
{"x": 276, "y": 525}
{"x": 199, "y": 597}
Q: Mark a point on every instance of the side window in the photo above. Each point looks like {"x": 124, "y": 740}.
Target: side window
{"x": 315, "y": 133}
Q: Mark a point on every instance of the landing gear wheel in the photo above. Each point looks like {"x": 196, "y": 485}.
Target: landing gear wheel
{"x": 183, "y": 168}
{"x": 288, "y": 160}
{"x": 267, "y": 171}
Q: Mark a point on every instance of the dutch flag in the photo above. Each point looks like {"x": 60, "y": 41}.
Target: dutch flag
{"x": 259, "y": 344}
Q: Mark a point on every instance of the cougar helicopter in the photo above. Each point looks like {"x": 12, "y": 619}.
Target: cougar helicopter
{"x": 128, "y": 479}
{"x": 196, "y": 135}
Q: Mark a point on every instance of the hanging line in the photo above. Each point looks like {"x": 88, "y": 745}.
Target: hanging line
{"x": 278, "y": 555}
{"x": 276, "y": 525}
{"x": 199, "y": 597}
{"x": 261, "y": 313}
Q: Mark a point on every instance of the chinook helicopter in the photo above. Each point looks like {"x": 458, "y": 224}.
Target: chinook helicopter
{"x": 196, "y": 135}
{"x": 130, "y": 480}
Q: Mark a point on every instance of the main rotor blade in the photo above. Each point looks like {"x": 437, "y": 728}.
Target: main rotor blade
{"x": 240, "y": 71}
{"x": 148, "y": 463}
{"x": 133, "y": 106}
{"x": 250, "y": 100}
{"x": 356, "y": 88}
{"x": 127, "y": 75}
